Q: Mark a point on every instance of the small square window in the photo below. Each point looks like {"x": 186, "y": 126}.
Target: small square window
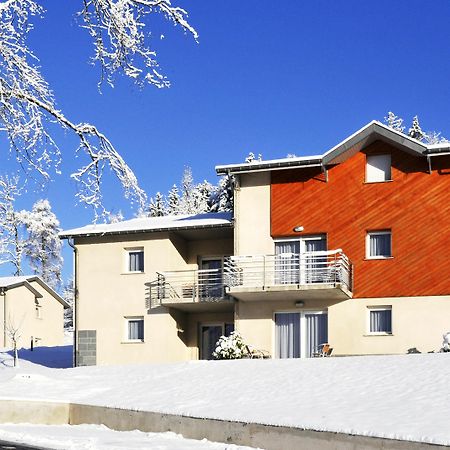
{"x": 380, "y": 320}
{"x": 378, "y": 244}
{"x": 135, "y": 261}
{"x": 135, "y": 328}
{"x": 378, "y": 168}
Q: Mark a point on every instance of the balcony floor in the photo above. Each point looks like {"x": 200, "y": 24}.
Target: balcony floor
{"x": 290, "y": 292}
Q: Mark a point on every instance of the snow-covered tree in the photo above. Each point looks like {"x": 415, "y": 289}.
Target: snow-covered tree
{"x": 114, "y": 217}
{"x": 173, "y": 201}
{"x": 394, "y": 122}
{"x": 201, "y": 194}
{"x": 43, "y": 249}
{"x": 68, "y": 294}
{"x": 222, "y": 197}
{"x": 252, "y": 158}
{"x": 187, "y": 201}
{"x": 157, "y": 206}
{"x": 12, "y": 241}
{"x": 416, "y": 131}
{"x": 434, "y": 137}
{"x": 119, "y": 33}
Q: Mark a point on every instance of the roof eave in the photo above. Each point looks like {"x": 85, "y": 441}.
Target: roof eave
{"x": 68, "y": 235}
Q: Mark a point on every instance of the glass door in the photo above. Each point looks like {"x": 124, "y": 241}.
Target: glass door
{"x": 287, "y": 255}
{"x": 315, "y": 267}
{"x": 209, "y": 335}
{"x": 211, "y": 278}
{"x": 299, "y": 334}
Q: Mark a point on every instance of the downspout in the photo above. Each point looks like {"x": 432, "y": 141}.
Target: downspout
{"x": 75, "y": 301}
{"x": 3, "y": 294}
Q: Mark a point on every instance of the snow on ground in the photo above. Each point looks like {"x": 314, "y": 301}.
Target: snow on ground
{"x": 99, "y": 437}
{"x": 403, "y": 397}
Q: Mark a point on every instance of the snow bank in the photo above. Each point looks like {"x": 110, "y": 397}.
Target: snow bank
{"x": 402, "y": 397}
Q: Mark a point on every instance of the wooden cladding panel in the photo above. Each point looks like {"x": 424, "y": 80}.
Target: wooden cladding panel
{"x": 415, "y": 206}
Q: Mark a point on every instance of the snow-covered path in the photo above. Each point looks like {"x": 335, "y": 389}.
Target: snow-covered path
{"x": 98, "y": 437}
{"x": 402, "y": 397}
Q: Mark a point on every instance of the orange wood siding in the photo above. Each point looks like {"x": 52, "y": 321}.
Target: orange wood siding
{"x": 415, "y": 206}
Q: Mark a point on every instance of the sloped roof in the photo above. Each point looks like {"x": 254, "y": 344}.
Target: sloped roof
{"x": 12, "y": 282}
{"x": 366, "y": 135}
{"x": 153, "y": 224}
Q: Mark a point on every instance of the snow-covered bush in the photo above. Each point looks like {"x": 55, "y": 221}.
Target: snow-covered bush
{"x": 446, "y": 342}
{"x": 230, "y": 347}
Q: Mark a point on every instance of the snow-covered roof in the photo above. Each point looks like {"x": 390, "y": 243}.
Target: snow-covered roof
{"x": 153, "y": 224}
{"x": 7, "y": 283}
{"x": 364, "y": 136}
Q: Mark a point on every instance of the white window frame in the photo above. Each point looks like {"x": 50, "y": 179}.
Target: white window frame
{"x": 378, "y": 308}
{"x": 388, "y": 176}
{"x": 378, "y": 232}
{"x": 128, "y": 251}
{"x": 128, "y": 319}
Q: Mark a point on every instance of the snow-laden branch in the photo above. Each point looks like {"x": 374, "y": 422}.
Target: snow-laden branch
{"x": 117, "y": 28}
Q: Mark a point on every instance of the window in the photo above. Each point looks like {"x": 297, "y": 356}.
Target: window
{"x": 378, "y": 168}
{"x": 135, "y": 261}
{"x": 135, "y": 328}
{"x": 380, "y": 320}
{"x": 379, "y": 244}
{"x": 38, "y": 309}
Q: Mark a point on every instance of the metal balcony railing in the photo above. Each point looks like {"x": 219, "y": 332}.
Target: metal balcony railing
{"x": 187, "y": 286}
{"x": 318, "y": 268}
{"x": 195, "y": 286}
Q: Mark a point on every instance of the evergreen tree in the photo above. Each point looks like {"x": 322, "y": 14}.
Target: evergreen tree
{"x": 173, "y": 206}
{"x": 43, "y": 249}
{"x": 416, "y": 131}
{"x": 157, "y": 206}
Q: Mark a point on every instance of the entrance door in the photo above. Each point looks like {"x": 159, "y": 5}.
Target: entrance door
{"x": 315, "y": 267}
{"x": 209, "y": 335}
{"x": 299, "y": 334}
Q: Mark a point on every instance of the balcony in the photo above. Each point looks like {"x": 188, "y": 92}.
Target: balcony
{"x": 190, "y": 290}
{"x": 313, "y": 275}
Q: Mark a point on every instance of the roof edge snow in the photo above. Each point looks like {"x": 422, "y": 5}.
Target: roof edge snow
{"x": 365, "y": 135}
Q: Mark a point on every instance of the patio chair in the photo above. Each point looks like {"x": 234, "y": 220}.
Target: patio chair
{"x": 254, "y": 353}
{"x": 323, "y": 351}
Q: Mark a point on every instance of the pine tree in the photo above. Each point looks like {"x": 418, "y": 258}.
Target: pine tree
{"x": 157, "y": 206}
{"x": 187, "y": 187}
{"x": 43, "y": 249}
{"x": 221, "y": 199}
{"x": 201, "y": 194}
{"x": 68, "y": 295}
{"x": 416, "y": 131}
{"x": 173, "y": 203}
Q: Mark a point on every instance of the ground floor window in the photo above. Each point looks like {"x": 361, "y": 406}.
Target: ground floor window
{"x": 210, "y": 334}
{"x": 299, "y": 334}
{"x": 134, "y": 328}
{"x": 380, "y": 319}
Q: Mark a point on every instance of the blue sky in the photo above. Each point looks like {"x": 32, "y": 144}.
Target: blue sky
{"x": 268, "y": 77}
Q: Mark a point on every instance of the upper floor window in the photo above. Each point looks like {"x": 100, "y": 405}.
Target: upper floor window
{"x": 135, "y": 260}
{"x": 378, "y": 168}
{"x": 379, "y": 244}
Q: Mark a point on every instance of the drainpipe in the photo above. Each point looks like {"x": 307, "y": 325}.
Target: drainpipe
{"x": 3, "y": 294}
{"x": 75, "y": 301}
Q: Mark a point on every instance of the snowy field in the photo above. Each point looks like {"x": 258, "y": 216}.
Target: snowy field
{"x": 403, "y": 397}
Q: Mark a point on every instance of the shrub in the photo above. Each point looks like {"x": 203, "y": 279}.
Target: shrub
{"x": 230, "y": 347}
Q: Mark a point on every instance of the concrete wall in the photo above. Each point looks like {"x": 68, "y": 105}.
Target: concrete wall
{"x": 249, "y": 434}
{"x": 108, "y": 294}
{"x": 18, "y": 307}
{"x": 252, "y": 215}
